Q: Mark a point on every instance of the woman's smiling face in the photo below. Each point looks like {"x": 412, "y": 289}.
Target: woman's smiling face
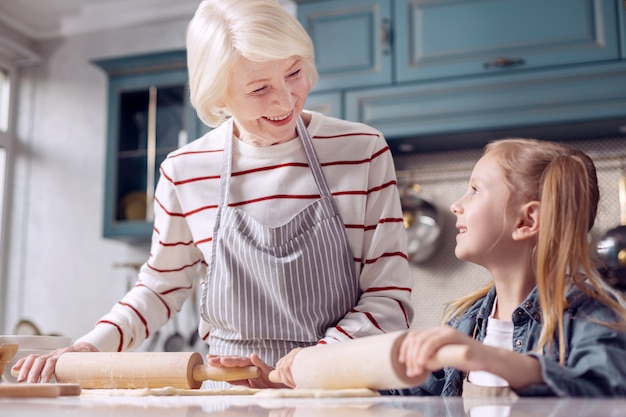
{"x": 266, "y": 99}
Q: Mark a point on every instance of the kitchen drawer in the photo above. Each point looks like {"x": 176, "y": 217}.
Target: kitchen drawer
{"x": 413, "y": 116}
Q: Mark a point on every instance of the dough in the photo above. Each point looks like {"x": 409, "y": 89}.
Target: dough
{"x": 316, "y": 393}
{"x": 236, "y": 390}
{"x": 169, "y": 391}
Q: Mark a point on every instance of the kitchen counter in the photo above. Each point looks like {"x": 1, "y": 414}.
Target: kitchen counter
{"x": 248, "y": 405}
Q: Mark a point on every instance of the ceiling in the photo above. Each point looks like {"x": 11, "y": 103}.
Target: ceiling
{"x": 48, "y": 19}
{"x": 40, "y": 20}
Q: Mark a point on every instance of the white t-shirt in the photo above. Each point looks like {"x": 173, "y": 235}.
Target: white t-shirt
{"x": 499, "y": 334}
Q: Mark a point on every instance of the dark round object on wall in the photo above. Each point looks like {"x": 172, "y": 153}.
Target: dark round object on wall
{"x": 611, "y": 251}
{"x": 422, "y": 222}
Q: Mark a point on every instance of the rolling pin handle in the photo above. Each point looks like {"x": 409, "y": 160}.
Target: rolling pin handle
{"x": 273, "y": 377}
{"x": 214, "y": 373}
{"x": 450, "y": 356}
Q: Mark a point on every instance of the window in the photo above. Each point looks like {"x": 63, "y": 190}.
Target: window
{"x": 3, "y": 160}
{"x": 4, "y": 101}
{"x": 5, "y": 142}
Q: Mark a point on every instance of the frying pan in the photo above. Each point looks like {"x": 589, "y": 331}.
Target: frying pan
{"x": 423, "y": 223}
{"x": 174, "y": 342}
{"x": 611, "y": 247}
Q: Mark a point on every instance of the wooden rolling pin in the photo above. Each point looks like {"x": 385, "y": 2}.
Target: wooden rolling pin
{"x": 367, "y": 362}
{"x": 26, "y": 390}
{"x": 7, "y": 351}
{"x": 143, "y": 370}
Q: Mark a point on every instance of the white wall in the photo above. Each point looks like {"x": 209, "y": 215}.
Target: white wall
{"x": 61, "y": 271}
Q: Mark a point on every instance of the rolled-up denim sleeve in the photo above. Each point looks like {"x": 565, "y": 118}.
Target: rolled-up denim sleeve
{"x": 595, "y": 364}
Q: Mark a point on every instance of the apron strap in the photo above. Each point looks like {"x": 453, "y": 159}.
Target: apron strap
{"x": 227, "y": 168}
{"x": 311, "y": 156}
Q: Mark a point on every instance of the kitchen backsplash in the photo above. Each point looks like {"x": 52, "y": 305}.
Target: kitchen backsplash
{"x": 443, "y": 176}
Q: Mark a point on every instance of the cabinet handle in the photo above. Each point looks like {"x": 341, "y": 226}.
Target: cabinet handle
{"x": 503, "y": 62}
{"x": 385, "y": 36}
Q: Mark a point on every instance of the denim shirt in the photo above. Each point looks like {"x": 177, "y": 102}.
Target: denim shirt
{"x": 595, "y": 361}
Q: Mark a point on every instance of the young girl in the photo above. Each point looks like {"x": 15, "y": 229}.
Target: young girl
{"x": 547, "y": 324}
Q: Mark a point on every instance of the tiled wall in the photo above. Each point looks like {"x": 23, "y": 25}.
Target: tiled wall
{"x": 444, "y": 177}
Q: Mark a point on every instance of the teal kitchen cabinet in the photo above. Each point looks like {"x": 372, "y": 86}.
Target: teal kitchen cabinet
{"x": 352, "y": 41}
{"x": 442, "y": 39}
{"x": 374, "y": 42}
{"x": 328, "y": 103}
{"x": 148, "y": 116}
{"x": 471, "y": 66}
{"x": 569, "y": 104}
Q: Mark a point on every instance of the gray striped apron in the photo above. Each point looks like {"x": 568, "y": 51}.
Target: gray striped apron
{"x": 271, "y": 289}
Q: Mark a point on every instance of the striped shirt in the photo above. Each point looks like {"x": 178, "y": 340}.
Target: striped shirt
{"x": 271, "y": 184}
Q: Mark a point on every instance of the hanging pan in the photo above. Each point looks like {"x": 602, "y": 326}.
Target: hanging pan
{"x": 422, "y": 222}
{"x": 611, "y": 248}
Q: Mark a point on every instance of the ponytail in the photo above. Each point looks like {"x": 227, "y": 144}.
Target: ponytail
{"x": 562, "y": 248}
{"x": 569, "y": 196}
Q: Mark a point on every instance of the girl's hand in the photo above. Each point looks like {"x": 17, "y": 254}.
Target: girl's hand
{"x": 283, "y": 368}
{"x": 263, "y": 381}
{"x": 40, "y": 368}
{"x": 420, "y": 346}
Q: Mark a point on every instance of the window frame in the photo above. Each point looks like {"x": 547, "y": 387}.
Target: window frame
{"x": 7, "y": 142}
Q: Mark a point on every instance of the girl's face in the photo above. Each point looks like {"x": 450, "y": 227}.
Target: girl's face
{"x": 266, "y": 99}
{"x": 484, "y": 222}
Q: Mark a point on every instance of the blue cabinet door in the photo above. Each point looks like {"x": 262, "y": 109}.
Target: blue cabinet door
{"x": 352, "y": 41}
{"x": 148, "y": 116}
{"x": 443, "y": 39}
{"x": 330, "y": 103}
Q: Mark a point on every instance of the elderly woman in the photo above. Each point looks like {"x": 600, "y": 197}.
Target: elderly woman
{"x": 290, "y": 218}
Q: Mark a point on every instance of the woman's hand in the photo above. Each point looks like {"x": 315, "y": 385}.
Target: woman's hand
{"x": 40, "y": 368}
{"x": 263, "y": 381}
{"x": 420, "y": 346}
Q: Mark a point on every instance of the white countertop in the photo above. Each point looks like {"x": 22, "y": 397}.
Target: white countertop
{"x": 243, "y": 406}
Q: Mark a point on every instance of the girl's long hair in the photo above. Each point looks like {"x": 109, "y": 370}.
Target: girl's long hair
{"x": 563, "y": 179}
